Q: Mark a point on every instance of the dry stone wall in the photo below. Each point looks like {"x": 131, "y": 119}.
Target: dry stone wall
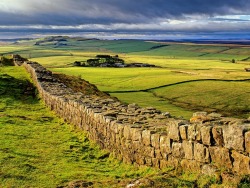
{"x": 208, "y": 143}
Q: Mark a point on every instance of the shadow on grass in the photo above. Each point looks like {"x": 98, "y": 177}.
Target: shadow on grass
{"x": 13, "y": 89}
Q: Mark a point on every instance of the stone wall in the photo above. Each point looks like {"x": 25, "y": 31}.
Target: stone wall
{"x": 208, "y": 143}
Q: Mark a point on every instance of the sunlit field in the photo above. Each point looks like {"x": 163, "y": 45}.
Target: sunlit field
{"x": 40, "y": 150}
{"x": 172, "y": 86}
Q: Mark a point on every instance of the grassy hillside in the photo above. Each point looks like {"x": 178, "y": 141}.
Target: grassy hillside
{"x": 37, "y": 149}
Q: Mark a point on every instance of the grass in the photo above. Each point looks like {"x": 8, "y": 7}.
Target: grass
{"x": 146, "y": 99}
{"x": 178, "y": 62}
{"x": 39, "y": 150}
{"x": 231, "y": 98}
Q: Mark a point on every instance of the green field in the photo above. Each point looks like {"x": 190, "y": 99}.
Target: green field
{"x": 166, "y": 87}
{"x": 38, "y": 149}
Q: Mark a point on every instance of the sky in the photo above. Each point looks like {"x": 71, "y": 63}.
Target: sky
{"x": 160, "y": 19}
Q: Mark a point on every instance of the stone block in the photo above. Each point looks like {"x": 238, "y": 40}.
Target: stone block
{"x": 241, "y": 164}
{"x": 126, "y": 132}
{"x": 206, "y": 135}
{"x": 230, "y": 180}
{"x": 183, "y": 132}
{"x": 192, "y": 132}
{"x": 173, "y": 129}
{"x": 199, "y": 117}
{"x": 149, "y": 151}
{"x": 217, "y": 133}
{"x": 146, "y": 137}
{"x": 233, "y": 136}
{"x": 140, "y": 159}
{"x": 136, "y": 134}
{"x": 120, "y": 128}
{"x": 155, "y": 140}
{"x": 165, "y": 145}
{"x": 220, "y": 157}
{"x": 136, "y": 145}
{"x": 113, "y": 127}
{"x": 148, "y": 161}
{"x": 190, "y": 165}
{"x": 201, "y": 153}
{"x": 188, "y": 149}
{"x": 209, "y": 170}
{"x": 155, "y": 162}
{"x": 197, "y": 114}
{"x": 163, "y": 164}
{"x": 177, "y": 150}
{"x": 172, "y": 161}
{"x": 158, "y": 154}
{"x": 198, "y": 132}
{"x": 247, "y": 142}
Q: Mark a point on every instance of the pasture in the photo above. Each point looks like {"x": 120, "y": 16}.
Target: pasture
{"x": 178, "y": 86}
{"x": 40, "y": 150}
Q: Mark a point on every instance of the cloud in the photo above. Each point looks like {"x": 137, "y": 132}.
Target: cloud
{"x": 128, "y": 15}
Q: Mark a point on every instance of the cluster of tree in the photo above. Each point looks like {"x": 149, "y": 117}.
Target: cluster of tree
{"x": 102, "y": 61}
{"x": 4, "y": 61}
{"x": 109, "y": 61}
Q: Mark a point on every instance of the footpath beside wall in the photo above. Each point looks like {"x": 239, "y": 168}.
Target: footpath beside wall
{"x": 208, "y": 143}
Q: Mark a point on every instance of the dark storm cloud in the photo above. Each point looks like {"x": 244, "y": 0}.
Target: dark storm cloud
{"x": 76, "y": 12}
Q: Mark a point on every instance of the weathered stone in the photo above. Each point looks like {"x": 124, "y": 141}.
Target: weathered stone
{"x": 217, "y": 133}
{"x": 165, "y": 145}
{"x": 199, "y": 114}
{"x": 241, "y": 164}
{"x": 233, "y": 137}
{"x": 134, "y": 105}
{"x": 192, "y": 133}
{"x": 139, "y": 159}
{"x": 166, "y": 114}
{"x": 126, "y": 132}
{"x": 177, "y": 150}
{"x": 199, "y": 117}
{"x": 188, "y": 149}
{"x": 148, "y": 161}
{"x": 191, "y": 165}
{"x": 209, "y": 170}
{"x": 173, "y": 129}
{"x": 183, "y": 132}
{"x": 247, "y": 142}
{"x": 155, "y": 140}
{"x": 155, "y": 162}
{"x": 230, "y": 180}
{"x": 215, "y": 115}
{"x": 146, "y": 137}
{"x": 136, "y": 134}
{"x": 198, "y": 132}
{"x": 206, "y": 135}
{"x": 220, "y": 157}
{"x": 163, "y": 164}
{"x": 201, "y": 153}
{"x": 158, "y": 154}
{"x": 112, "y": 113}
{"x": 149, "y": 151}
{"x": 172, "y": 161}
